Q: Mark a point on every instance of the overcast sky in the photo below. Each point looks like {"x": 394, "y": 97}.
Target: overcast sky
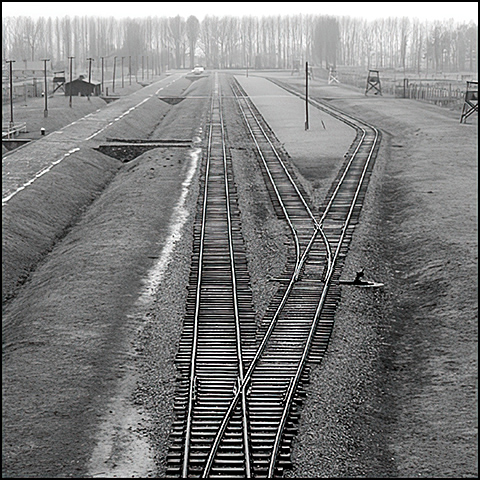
{"x": 459, "y": 11}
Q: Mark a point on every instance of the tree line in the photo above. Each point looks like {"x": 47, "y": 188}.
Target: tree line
{"x": 237, "y": 42}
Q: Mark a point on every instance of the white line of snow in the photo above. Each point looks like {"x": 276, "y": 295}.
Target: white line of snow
{"x": 38, "y": 175}
{"x": 180, "y": 215}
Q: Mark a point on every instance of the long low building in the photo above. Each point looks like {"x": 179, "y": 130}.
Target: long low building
{"x": 82, "y": 87}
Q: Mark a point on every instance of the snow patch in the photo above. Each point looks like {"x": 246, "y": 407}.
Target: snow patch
{"x": 180, "y": 215}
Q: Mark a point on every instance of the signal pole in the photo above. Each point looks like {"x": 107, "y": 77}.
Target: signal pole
{"x": 306, "y": 96}
{"x": 45, "y": 60}
{"x": 89, "y": 73}
{"x": 11, "y": 92}
{"x": 130, "y": 68}
{"x": 103, "y": 58}
{"x": 114, "y": 65}
{"x": 70, "y": 101}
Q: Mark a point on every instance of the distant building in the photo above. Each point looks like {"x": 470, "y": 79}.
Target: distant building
{"x": 82, "y": 87}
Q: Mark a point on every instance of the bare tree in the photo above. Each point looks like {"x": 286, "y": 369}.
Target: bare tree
{"x": 193, "y": 33}
{"x": 273, "y": 41}
{"x": 177, "y": 32}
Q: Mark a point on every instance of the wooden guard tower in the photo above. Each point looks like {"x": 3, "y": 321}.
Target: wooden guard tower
{"x": 471, "y": 101}
{"x": 59, "y": 80}
{"x": 332, "y": 76}
{"x": 373, "y": 82}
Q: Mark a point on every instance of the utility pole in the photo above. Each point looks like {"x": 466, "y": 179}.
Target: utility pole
{"x": 11, "y": 92}
{"x": 142, "y": 67}
{"x": 122, "y": 72}
{"x": 147, "y": 67}
{"x": 90, "y": 59}
{"x": 45, "y": 60}
{"x": 103, "y": 58}
{"x": 306, "y": 96}
{"x": 130, "y": 68}
{"x": 114, "y": 65}
{"x": 70, "y": 101}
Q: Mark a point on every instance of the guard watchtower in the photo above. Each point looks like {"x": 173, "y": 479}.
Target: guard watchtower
{"x": 59, "y": 81}
{"x": 332, "y": 76}
{"x": 373, "y": 82}
{"x": 470, "y": 104}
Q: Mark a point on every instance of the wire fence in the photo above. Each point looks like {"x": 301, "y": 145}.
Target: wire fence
{"x": 444, "y": 92}
{"x": 21, "y": 91}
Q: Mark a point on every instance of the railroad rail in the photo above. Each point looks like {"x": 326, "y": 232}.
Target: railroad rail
{"x": 257, "y": 416}
{"x": 219, "y": 328}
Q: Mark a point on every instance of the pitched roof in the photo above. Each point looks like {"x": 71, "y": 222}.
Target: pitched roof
{"x": 83, "y": 81}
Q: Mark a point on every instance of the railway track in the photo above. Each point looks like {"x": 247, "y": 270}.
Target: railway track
{"x": 219, "y": 327}
{"x": 241, "y": 389}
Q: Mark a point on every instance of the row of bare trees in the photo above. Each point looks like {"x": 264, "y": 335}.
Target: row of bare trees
{"x": 260, "y": 42}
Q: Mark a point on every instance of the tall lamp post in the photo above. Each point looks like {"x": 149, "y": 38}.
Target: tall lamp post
{"x": 11, "y": 91}
{"x": 114, "y": 66}
{"x": 90, "y": 59}
{"x": 306, "y": 96}
{"x": 130, "y": 68}
{"x": 70, "y": 101}
{"x": 45, "y": 60}
{"x": 103, "y": 58}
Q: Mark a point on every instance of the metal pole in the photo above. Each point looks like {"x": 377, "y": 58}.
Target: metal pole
{"x": 90, "y": 69}
{"x": 45, "y": 60}
{"x": 142, "y": 67}
{"x": 122, "y": 72}
{"x": 130, "y": 68}
{"x": 11, "y": 92}
{"x": 306, "y": 96}
{"x": 102, "y": 75}
{"x": 114, "y": 65}
{"x": 89, "y": 74}
{"x": 147, "y": 67}
{"x": 70, "y": 101}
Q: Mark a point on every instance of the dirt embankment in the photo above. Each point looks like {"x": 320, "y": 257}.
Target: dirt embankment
{"x": 69, "y": 331}
{"x": 39, "y": 216}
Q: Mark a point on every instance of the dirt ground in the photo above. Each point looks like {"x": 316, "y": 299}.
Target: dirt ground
{"x": 89, "y": 339}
